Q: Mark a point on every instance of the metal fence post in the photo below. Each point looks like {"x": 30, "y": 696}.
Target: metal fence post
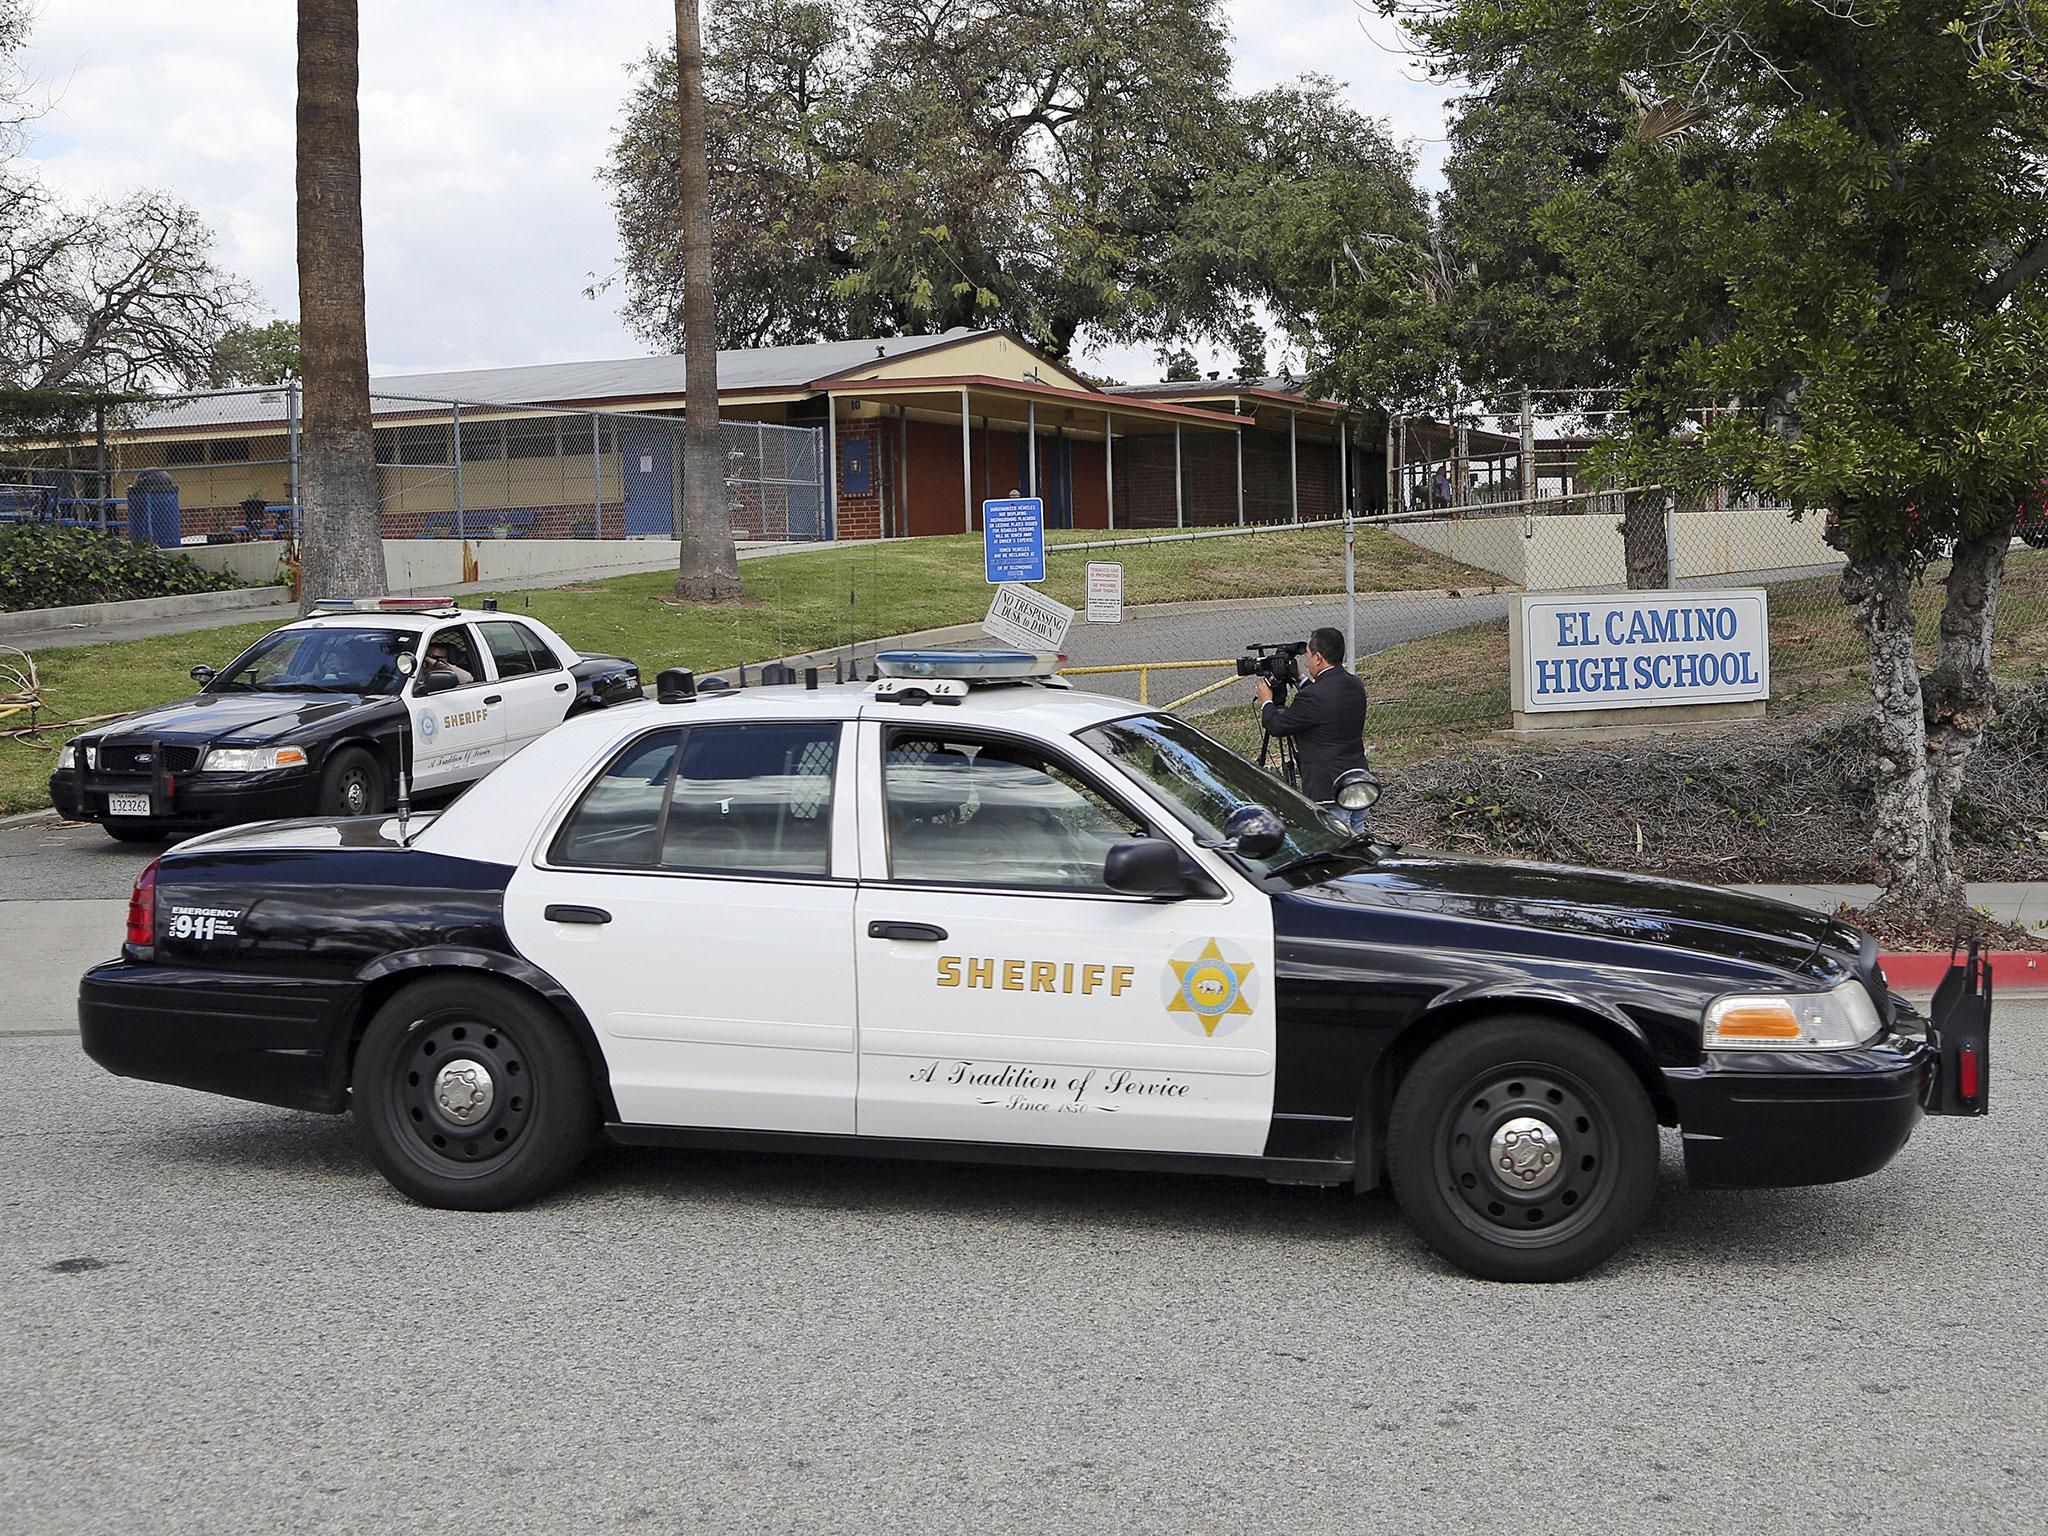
{"x": 596, "y": 479}
{"x": 455, "y": 432}
{"x": 1528, "y": 451}
{"x": 291, "y": 432}
{"x": 1351, "y": 590}
{"x": 1293, "y": 468}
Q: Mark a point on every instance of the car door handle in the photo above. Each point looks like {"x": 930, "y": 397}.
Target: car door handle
{"x": 496, "y": 698}
{"x": 561, "y": 687}
{"x": 590, "y": 915}
{"x": 915, "y": 933}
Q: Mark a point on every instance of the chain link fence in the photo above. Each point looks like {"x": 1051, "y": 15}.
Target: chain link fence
{"x": 223, "y": 466}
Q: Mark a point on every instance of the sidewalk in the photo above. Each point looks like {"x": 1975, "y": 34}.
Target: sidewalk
{"x": 2024, "y": 903}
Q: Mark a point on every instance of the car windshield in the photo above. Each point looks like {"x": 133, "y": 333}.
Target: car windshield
{"x": 325, "y": 659}
{"x": 1204, "y": 781}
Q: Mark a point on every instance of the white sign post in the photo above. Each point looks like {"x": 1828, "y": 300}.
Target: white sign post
{"x": 1586, "y": 653}
{"x": 1025, "y": 617}
{"x": 1105, "y": 592}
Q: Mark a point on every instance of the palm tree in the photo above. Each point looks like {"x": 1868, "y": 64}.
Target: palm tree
{"x": 342, "y": 548}
{"x": 708, "y": 570}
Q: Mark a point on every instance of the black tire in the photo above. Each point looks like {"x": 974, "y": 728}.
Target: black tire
{"x": 353, "y": 784}
{"x": 130, "y": 834}
{"x": 527, "y": 1086}
{"x": 1586, "y": 1172}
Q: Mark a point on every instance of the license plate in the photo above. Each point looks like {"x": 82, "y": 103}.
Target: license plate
{"x": 127, "y": 805}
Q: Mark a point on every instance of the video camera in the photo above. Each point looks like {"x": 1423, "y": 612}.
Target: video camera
{"x": 1278, "y": 663}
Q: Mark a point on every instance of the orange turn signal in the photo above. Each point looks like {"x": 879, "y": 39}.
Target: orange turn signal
{"x": 1761, "y": 1019}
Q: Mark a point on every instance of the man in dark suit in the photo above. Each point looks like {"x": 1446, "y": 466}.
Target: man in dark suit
{"x": 1326, "y": 721}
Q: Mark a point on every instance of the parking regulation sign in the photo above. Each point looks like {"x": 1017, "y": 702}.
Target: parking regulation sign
{"x": 1013, "y": 539}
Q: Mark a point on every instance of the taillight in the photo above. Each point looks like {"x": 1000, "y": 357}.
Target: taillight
{"x": 142, "y": 908}
{"x": 1969, "y": 1078}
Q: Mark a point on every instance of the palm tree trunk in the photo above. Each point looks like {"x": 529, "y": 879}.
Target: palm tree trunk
{"x": 708, "y": 569}
{"x": 342, "y": 549}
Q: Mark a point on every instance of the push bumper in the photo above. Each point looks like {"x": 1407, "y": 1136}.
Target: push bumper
{"x": 271, "y": 1039}
{"x": 1760, "y": 1119}
{"x": 189, "y": 801}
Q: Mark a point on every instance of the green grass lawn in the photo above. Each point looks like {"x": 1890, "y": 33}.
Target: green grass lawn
{"x": 795, "y": 603}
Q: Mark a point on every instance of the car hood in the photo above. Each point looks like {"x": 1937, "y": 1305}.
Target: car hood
{"x": 207, "y": 717}
{"x": 1595, "y": 903}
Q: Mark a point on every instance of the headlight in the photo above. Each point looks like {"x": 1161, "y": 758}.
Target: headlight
{"x": 252, "y": 759}
{"x": 1835, "y": 1020}
{"x": 67, "y": 757}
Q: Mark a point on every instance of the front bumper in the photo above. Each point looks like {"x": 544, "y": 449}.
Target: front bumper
{"x": 190, "y": 800}
{"x": 1765, "y": 1119}
{"x": 277, "y": 1040}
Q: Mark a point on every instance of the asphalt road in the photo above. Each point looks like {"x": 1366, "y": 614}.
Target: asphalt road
{"x": 217, "y": 1318}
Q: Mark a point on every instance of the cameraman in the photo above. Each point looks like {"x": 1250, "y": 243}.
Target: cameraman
{"x": 1326, "y": 720}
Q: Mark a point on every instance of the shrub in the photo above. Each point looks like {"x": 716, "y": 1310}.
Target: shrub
{"x": 47, "y": 567}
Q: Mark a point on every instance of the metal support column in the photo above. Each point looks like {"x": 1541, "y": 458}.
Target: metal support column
{"x": 1528, "y": 451}
{"x": 1344, "y": 465}
{"x": 1031, "y": 451}
{"x": 1293, "y": 465}
{"x": 1393, "y": 475}
{"x": 1180, "y": 496}
{"x": 902, "y": 470}
{"x": 1401, "y": 468}
{"x": 966, "y": 465}
{"x": 1237, "y": 409}
{"x": 1109, "y": 470}
{"x": 831, "y": 529}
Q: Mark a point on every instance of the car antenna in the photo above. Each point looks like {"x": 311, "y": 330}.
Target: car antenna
{"x": 407, "y": 665}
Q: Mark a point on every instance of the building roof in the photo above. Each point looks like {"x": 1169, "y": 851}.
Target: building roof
{"x": 740, "y": 370}
{"x": 1283, "y": 388}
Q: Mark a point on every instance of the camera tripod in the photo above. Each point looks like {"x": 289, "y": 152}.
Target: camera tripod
{"x": 1280, "y": 749}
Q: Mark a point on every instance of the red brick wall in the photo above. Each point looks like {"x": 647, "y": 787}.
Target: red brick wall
{"x": 859, "y": 517}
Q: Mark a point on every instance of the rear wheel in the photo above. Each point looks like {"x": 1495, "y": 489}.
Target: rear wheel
{"x": 1523, "y": 1149}
{"x": 352, "y": 784}
{"x": 470, "y": 1095}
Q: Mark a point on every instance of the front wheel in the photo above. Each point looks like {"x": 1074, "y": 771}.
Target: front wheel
{"x": 352, "y": 784}
{"x": 471, "y": 1095}
{"x": 1523, "y": 1149}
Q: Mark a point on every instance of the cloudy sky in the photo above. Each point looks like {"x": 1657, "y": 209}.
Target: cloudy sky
{"x": 484, "y": 123}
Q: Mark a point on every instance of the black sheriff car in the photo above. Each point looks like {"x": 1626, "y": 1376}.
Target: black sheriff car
{"x": 319, "y": 717}
{"x": 967, "y": 913}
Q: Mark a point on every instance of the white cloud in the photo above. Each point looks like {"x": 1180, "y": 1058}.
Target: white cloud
{"x": 484, "y": 125}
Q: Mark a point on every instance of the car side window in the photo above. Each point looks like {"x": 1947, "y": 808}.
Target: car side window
{"x": 455, "y": 648}
{"x": 753, "y": 799}
{"x": 969, "y": 812}
{"x": 507, "y": 644}
{"x": 617, "y": 823}
{"x": 538, "y": 651}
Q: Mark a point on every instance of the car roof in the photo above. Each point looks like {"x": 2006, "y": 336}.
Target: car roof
{"x": 476, "y": 826}
{"x": 412, "y": 620}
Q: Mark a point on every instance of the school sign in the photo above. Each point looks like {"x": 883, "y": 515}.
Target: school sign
{"x": 1587, "y": 656}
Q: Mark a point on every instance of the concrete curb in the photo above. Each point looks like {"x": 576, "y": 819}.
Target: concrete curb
{"x": 2022, "y": 969}
{"x": 31, "y": 621}
{"x": 29, "y": 818}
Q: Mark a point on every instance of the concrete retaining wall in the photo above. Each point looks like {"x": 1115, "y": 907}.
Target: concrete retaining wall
{"x": 1570, "y": 550}
{"x": 432, "y": 565}
{"x": 141, "y": 609}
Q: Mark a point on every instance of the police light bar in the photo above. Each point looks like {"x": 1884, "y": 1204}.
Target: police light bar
{"x": 967, "y": 666}
{"x": 384, "y": 605}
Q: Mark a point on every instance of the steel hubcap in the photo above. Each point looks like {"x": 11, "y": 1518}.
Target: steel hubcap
{"x": 464, "y": 1091}
{"x": 1526, "y": 1151}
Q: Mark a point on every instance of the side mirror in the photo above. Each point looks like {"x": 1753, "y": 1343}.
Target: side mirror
{"x": 1145, "y": 866}
{"x": 1356, "y": 789}
{"x": 436, "y": 680}
{"x": 1253, "y": 831}
{"x": 202, "y": 675}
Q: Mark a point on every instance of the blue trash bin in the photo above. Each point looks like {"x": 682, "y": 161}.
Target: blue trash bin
{"x": 153, "y": 516}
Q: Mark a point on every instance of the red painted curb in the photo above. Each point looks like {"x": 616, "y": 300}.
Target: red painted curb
{"x": 2026, "y": 968}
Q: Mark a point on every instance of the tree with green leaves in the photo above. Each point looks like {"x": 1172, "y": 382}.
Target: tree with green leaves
{"x": 1834, "y": 217}
{"x": 898, "y": 166}
{"x": 256, "y": 354}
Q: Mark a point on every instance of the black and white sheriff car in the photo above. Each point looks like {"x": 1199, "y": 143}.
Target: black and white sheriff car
{"x": 320, "y": 718}
{"x": 986, "y": 917}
